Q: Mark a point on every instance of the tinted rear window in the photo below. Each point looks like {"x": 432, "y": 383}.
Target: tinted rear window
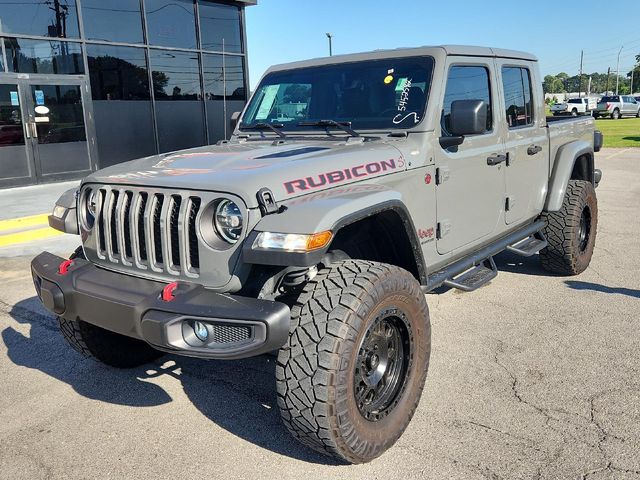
{"x": 575, "y": 100}
{"x": 614, "y": 98}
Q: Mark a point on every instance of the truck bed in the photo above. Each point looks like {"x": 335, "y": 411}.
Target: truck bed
{"x": 563, "y": 130}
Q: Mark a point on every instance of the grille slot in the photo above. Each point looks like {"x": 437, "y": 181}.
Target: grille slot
{"x": 151, "y": 231}
{"x": 194, "y": 255}
{"x": 174, "y": 229}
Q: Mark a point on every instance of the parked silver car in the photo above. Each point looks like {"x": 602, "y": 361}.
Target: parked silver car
{"x": 618, "y": 106}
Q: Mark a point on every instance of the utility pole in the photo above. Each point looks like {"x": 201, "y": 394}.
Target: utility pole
{"x": 608, "y": 75}
{"x": 580, "y": 87}
{"x": 330, "y": 37}
{"x": 618, "y": 70}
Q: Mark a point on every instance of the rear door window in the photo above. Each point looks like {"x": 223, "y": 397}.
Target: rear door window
{"x": 518, "y": 96}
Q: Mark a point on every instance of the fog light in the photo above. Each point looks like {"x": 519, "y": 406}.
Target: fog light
{"x": 201, "y": 331}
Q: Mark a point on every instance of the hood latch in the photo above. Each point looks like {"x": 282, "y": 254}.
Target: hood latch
{"x": 267, "y": 202}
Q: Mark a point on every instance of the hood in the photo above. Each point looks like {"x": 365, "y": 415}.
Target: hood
{"x": 289, "y": 170}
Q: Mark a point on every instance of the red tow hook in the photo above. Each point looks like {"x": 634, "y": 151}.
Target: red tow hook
{"x": 168, "y": 293}
{"x": 63, "y": 269}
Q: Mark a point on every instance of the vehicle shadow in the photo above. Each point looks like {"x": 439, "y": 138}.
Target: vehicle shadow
{"x": 635, "y": 139}
{"x": 596, "y": 287}
{"x": 510, "y": 262}
{"x": 239, "y": 396}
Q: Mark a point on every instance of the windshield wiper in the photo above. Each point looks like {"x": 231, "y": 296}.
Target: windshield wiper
{"x": 274, "y": 127}
{"x": 344, "y": 126}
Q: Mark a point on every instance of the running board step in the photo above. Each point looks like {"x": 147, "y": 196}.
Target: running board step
{"x": 529, "y": 246}
{"x": 475, "y": 278}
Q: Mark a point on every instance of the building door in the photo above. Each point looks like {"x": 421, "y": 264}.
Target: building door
{"x": 43, "y": 134}
{"x": 16, "y": 161}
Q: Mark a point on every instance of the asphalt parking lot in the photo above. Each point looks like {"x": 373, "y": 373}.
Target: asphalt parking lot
{"x": 533, "y": 376}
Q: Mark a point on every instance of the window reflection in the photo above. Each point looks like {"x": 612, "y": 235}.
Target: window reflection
{"x": 220, "y": 27}
{"x": 38, "y": 56}
{"x": 115, "y": 20}
{"x": 118, "y": 73}
{"x": 171, "y": 23}
{"x": 179, "y": 106}
{"x": 227, "y": 84}
{"x": 176, "y": 75}
{"x": 121, "y": 103}
{"x": 45, "y": 18}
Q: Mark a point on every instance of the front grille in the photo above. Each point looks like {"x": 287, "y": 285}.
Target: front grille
{"x": 148, "y": 230}
{"x": 229, "y": 334}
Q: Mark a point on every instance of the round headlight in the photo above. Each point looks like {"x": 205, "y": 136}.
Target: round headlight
{"x": 228, "y": 221}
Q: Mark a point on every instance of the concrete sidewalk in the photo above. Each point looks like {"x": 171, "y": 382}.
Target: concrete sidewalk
{"x": 24, "y": 228}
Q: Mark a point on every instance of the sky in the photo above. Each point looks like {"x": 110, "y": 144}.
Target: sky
{"x": 281, "y": 31}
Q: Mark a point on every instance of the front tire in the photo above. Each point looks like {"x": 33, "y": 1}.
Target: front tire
{"x": 107, "y": 347}
{"x": 351, "y": 375}
{"x": 571, "y": 232}
{"x": 102, "y": 345}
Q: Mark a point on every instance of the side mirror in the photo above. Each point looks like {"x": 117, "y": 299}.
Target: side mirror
{"x": 235, "y": 116}
{"x": 468, "y": 117}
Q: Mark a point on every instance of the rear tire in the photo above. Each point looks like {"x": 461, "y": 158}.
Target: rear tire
{"x": 616, "y": 114}
{"x": 352, "y": 373}
{"x": 574, "y": 113}
{"x": 638, "y": 113}
{"x": 571, "y": 232}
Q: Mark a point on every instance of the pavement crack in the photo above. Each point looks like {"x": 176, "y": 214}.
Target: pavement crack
{"x": 531, "y": 443}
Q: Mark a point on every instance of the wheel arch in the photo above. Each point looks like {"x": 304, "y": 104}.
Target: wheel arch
{"x": 379, "y": 210}
{"x": 574, "y": 161}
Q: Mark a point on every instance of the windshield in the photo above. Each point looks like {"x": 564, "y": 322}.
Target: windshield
{"x": 369, "y": 95}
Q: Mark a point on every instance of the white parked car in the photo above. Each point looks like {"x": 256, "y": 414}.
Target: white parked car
{"x": 618, "y": 106}
{"x": 575, "y": 107}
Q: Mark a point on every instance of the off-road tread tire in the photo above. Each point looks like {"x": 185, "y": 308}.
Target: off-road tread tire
{"x": 107, "y": 347}
{"x": 562, "y": 255}
{"x": 313, "y": 370}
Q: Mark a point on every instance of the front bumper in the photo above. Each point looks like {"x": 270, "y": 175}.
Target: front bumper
{"x": 240, "y": 327}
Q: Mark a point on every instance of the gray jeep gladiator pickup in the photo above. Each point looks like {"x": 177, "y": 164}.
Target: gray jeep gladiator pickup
{"x": 352, "y": 186}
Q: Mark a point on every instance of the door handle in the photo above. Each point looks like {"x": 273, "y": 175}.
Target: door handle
{"x": 534, "y": 149}
{"x": 497, "y": 159}
{"x": 35, "y": 129}
{"x": 27, "y": 130}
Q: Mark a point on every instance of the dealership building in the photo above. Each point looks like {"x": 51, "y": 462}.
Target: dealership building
{"x": 85, "y": 84}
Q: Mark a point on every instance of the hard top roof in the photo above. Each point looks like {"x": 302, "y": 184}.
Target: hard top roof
{"x": 455, "y": 50}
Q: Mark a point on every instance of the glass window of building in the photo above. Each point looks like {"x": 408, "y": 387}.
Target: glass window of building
{"x": 224, "y": 83}
{"x": 39, "y": 56}
{"x": 220, "y": 28}
{"x": 115, "y": 20}
{"x": 178, "y": 95}
{"x": 52, "y": 18}
{"x": 121, "y": 103}
{"x": 171, "y": 23}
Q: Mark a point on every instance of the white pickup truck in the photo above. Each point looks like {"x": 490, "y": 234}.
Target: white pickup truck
{"x": 575, "y": 107}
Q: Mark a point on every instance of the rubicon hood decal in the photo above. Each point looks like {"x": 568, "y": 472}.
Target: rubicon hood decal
{"x": 341, "y": 176}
